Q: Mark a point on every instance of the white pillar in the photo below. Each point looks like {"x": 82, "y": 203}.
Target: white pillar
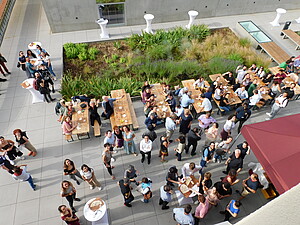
{"x": 149, "y": 18}
{"x": 275, "y": 22}
{"x": 298, "y": 20}
{"x": 192, "y": 15}
{"x": 104, "y": 32}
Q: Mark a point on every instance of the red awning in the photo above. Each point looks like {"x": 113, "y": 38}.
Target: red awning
{"x": 276, "y": 145}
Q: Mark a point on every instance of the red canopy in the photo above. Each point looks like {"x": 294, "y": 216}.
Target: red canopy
{"x": 276, "y": 145}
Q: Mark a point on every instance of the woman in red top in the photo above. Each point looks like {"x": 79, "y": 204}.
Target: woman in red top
{"x": 68, "y": 216}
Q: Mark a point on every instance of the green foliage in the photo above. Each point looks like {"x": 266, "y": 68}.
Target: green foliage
{"x": 92, "y": 53}
{"x": 83, "y": 56}
{"x": 172, "y": 37}
{"x": 118, "y": 45}
{"x": 222, "y": 65}
{"x": 70, "y": 50}
{"x": 236, "y": 57}
{"x": 245, "y": 42}
{"x": 157, "y": 52}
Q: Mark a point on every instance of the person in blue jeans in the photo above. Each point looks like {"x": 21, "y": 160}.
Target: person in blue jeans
{"x": 208, "y": 153}
{"x": 224, "y": 102}
{"x": 232, "y": 209}
{"x": 23, "y": 175}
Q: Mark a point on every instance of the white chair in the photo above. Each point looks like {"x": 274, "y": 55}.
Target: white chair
{"x": 275, "y": 22}
{"x": 192, "y": 14}
{"x": 149, "y": 18}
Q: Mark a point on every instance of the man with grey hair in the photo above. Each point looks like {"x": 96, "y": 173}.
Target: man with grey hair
{"x": 108, "y": 106}
{"x": 170, "y": 125}
{"x": 234, "y": 161}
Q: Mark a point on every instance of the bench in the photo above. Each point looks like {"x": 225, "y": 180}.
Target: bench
{"x": 113, "y": 121}
{"x": 276, "y": 53}
{"x": 218, "y": 105}
{"x": 293, "y": 36}
{"x": 132, "y": 113}
{"x": 97, "y": 132}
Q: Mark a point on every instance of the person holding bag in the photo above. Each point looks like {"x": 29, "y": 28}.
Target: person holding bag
{"x": 146, "y": 189}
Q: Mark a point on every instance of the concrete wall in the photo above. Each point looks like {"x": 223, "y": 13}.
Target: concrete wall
{"x": 175, "y": 10}
{"x": 70, "y": 15}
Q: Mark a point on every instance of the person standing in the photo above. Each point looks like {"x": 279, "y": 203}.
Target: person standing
{"x": 94, "y": 115}
{"x": 108, "y": 106}
{"x": 242, "y": 115}
{"x": 193, "y": 137}
{"x": 69, "y": 192}
{"x": 190, "y": 169}
{"x": 23, "y": 175}
{"x": 2, "y": 65}
{"x": 228, "y": 126}
{"x": 245, "y": 149}
{"x": 170, "y": 126}
{"x": 146, "y": 189}
{"x": 88, "y": 175}
{"x": 70, "y": 169}
{"x": 232, "y": 209}
{"x": 68, "y": 216}
{"x": 185, "y": 122}
{"x": 22, "y": 140}
{"x": 6, "y": 165}
{"x": 165, "y": 196}
{"x": 164, "y": 144}
{"x": 180, "y": 148}
{"x": 22, "y": 61}
{"x": 119, "y": 143}
{"x": 234, "y": 161}
{"x": 145, "y": 148}
{"x": 131, "y": 173}
{"x": 208, "y": 153}
{"x": 202, "y": 208}
{"x": 205, "y": 120}
{"x": 47, "y": 62}
{"x": 110, "y": 138}
{"x": 183, "y": 216}
{"x": 212, "y": 133}
{"x": 280, "y": 102}
{"x": 125, "y": 187}
{"x": 9, "y": 148}
{"x": 250, "y": 185}
{"x": 129, "y": 145}
{"x": 106, "y": 158}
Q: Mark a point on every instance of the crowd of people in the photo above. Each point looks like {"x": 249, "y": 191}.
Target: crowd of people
{"x": 216, "y": 148}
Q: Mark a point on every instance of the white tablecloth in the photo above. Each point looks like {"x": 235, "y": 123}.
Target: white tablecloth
{"x": 99, "y": 217}
{"x": 36, "y": 95}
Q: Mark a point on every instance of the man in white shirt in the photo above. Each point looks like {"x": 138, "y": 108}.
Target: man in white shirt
{"x": 280, "y": 102}
{"x": 22, "y": 175}
{"x": 254, "y": 99}
{"x": 206, "y": 104}
{"x": 242, "y": 93}
{"x": 110, "y": 138}
{"x": 241, "y": 73}
{"x": 189, "y": 169}
{"x": 145, "y": 148}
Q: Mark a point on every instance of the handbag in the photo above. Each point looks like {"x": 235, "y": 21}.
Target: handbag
{"x": 148, "y": 195}
{"x": 18, "y": 64}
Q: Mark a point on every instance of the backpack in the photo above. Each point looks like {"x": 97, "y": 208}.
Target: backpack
{"x": 210, "y": 153}
{"x": 35, "y": 86}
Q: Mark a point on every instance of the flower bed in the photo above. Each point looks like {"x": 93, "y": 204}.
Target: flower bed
{"x": 167, "y": 56}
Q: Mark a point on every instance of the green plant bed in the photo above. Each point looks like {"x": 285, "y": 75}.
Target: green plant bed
{"x": 167, "y": 56}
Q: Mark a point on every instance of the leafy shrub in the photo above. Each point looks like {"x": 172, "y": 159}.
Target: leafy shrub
{"x": 83, "y": 56}
{"x": 93, "y": 52}
{"x": 236, "y": 57}
{"x": 70, "y": 50}
{"x": 222, "y": 65}
{"x": 157, "y": 52}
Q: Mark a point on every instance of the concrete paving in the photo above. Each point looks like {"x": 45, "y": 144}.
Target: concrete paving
{"x": 20, "y": 205}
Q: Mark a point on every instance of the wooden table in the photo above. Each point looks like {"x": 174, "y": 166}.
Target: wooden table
{"x": 81, "y": 118}
{"x": 233, "y": 97}
{"x": 190, "y": 185}
{"x": 122, "y": 115}
{"x": 195, "y": 94}
{"x": 163, "y": 109}
{"x": 214, "y": 77}
{"x": 274, "y": 70}
{"x": 253, "y": 76}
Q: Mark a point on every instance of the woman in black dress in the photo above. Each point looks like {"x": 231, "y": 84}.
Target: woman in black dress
{"x": 119, "y": 137}
{"x": 186, "y": 121}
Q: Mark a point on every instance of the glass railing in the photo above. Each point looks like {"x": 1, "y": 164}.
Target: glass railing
{"x": 114, "y": 12}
